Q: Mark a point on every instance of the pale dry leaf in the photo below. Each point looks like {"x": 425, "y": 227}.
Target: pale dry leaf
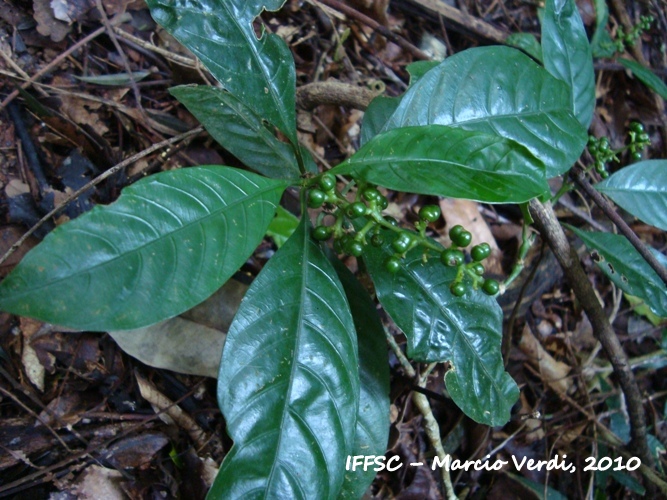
{"x": 83, "y": 112}
{"x": 162, "y": 404}
{"x": 554, "y": 373}
{"x": 99, "y": 482}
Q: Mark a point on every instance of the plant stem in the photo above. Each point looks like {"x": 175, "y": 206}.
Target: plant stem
{"x": 579, "y": 177}
{"x": 551, "y": 230}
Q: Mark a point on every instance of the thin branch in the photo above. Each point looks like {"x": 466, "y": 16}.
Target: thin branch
{"x": 97, "y": 180}
{"x": 371, "y": 23}
{"x": 579, "y": 177}
{"x": 551, "y": 230}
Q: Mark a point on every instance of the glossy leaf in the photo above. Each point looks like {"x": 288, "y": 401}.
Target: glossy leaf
{"x": 259, "y": 72}
{"x": 567, "y": 55}
{"x": 289, "y": 380}
{"x": 641, "y": 189}
{"x": 623, "y": 265}
{"x": 466, "y": 331}
{"x": 238, "y": 129}
{"x": 447, "y": 161}
{"x": 646, "y": 76}
{"x": 165, "y": 245}
{"x": 526, "y": 42}
{"x": 372, "y": 430}
{"x": 376, "y": 115}
{"x": 499, "y": 91}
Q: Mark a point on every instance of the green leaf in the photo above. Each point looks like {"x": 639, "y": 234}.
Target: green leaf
{"x": 170, "y": 241}
{"x": 641, "y": 189}
{"x": 418, "y": 69}
{"x": 259, "y": 72}
{"x": 237, "y": 128}
{"x": 447, "y": 161}
{"x": 646, "y": 76}
{"x": 289, "y": 380}
{"x": 282, "y": 226}
{"x": 601, "y": 43}
{"x": 466, "y": 331}
{"x": 372, "y": 431}
{"x": 623, "y": 265}
{"x": 499, "y": 91}
{"x": 567, "y": 55}
{"x": 376, "y": 115}
{"x": 526, "y": 42}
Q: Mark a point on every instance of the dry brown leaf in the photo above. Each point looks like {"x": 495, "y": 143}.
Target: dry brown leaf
{"x": 98, "y": 482}
{"x": 83, "y": 112}
{"x": 47, "y": 24}
{"x": 554, "y": 373}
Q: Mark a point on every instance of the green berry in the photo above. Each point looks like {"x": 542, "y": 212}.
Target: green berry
{"x": 402, "y": 243}
{"x": 455, "y": 231}
{"x": 382, "y": 202}
{"x": 592, "y": 140}
{"x": 457, "y": 289}
{"x": 316, "y": 198}
{"x": 490, "y": 287}
{"x": 644, "y": 137}
{"x": 478, "y": 269}
{"x": 371, "y": 194}
{"x": 452, "y": 258}
{"x": 636, "y": 156}
{"x": 392, "y": 264}
{"x": 480, "y": 252}
{"x": 356, "y": 209}
{"x": 377, "y": 240}
{"x": 322, "y": 233}
{"x": 604, "y": 145}
{"x": 391, "y": 220}
{"x": 461, "y": 238}
{"x": 327, "y": 182}
{"x": 604, "y": 174}
{"x": 637, "y": 127}
{"x": 354, "y": 248}
{"x": 430, "y": 213}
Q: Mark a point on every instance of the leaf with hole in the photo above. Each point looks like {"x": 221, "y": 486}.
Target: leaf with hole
{"x": 258, "y": 71}
{"x": 498, "y": 91}
{"x": 623, "y": 265}
{"x": 641, "y": 189}
{"x": 289, "y": 380}
{"x": 466, "y": 331}
{"x": 447, "y": 161}
{"x": 239, "y": 130}
{"x": 165, "y": 245}
{"x": 567, "y": 55}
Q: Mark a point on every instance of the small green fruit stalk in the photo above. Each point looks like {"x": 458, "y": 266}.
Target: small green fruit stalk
{"x": 369, "y": 204}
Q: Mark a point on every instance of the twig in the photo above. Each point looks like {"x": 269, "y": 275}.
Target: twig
{"x": 463, "y": 21}
{"x": 96, "y": 181}
{"x": 56, "y": 61}
{"x": 550, "y": 229}
{"x": 311, "y": 95}
{"x": 579, "y": 177}
{"x": 390, "y": 35}
{"x": 430, "y": 423}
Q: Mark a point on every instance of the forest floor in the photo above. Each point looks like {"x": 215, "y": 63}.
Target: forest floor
{"x": 81, "y": 418}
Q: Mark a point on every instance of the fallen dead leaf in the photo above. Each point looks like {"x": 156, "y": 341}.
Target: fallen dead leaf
{"x": 554, "y": 372}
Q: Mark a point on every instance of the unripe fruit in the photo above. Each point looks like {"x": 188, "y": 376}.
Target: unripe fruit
{"x": 316, "y": 198}
{"x": 480, "y": 252}
{"x": 392, "y": 264}
{"x": 322, "y": 233}
{"x": 354, "y": 248}
{"x": 490, "y": 287}
{"x": 457, "y": 289}
{"x": 402, "y": 243}
{"x": 429, "y": 213}
{"x": 371, "y": 194}
{"x": 377, "y": 240}
{"x": 357, "y": 209}
{"x": 327, "y": 182}
{"x": 452, "y": 258}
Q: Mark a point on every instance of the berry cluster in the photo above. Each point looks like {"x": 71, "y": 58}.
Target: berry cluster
{"x": 602, "y": 152}
{"x": 369, "y": 204}
{"x": 624, "y": 39}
